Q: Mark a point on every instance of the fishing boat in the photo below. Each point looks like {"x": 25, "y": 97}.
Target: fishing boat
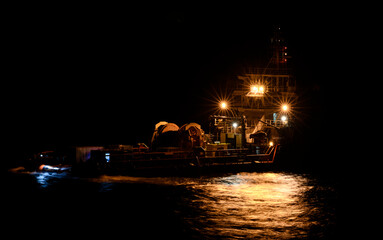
{"x": 246, "y": 130}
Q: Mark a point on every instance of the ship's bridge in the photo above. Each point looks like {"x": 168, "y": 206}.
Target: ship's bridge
{"x": 264, "y": 88}
{"x": 265, "y": 98}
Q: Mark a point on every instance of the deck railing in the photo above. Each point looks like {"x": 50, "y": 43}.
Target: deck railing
{"x": 276, "y": 123}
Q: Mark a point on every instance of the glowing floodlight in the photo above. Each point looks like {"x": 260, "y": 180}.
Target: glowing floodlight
{"x": 285, "y": 107}
{"x": 223, "y": 105}
{"x": 256, "y": 90}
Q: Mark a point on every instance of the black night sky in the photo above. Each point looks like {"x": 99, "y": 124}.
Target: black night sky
{"x": 89, "y": 75}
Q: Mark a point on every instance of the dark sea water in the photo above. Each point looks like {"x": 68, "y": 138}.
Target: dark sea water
{"x": 256, "y": 205}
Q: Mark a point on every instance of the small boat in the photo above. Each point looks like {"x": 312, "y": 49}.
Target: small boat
{"x": 54, "y": 168}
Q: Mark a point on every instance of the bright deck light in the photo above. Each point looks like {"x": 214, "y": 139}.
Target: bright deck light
{"x": 223, "y": 105}
{"x": 285, "y": 107}
{"x": 256, "y": 91}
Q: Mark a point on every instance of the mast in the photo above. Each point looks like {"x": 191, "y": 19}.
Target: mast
{"x": 279, "y": 56}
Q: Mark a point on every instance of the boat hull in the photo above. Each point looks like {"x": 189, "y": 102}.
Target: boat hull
{"x": 182, "y": 162}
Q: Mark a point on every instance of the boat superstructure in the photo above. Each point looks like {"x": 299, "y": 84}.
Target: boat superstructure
{"x": 261, "y": 103}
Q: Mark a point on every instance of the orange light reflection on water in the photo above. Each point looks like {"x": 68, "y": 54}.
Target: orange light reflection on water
{"x": 266, "y": 204}
{"x": 242, "y": 205}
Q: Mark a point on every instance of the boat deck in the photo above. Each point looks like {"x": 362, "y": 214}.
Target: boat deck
{"x": 123, "y": 161}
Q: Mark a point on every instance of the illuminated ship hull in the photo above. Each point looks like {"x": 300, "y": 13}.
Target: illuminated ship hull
{"x": 125, "y": 162}
{"x": 176, "y": 149}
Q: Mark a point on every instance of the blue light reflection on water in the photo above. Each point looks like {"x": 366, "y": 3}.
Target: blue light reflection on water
{"x": 44, "y": 178}
{"x": 241, "y": 205}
